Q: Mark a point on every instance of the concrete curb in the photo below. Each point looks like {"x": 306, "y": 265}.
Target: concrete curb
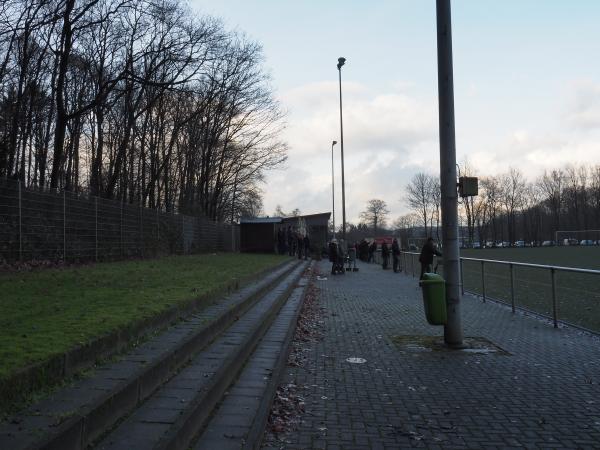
{"x": 184, "y": 431}
{"x": 256, "y": 433}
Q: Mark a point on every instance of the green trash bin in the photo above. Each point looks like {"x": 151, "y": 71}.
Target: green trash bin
{"x": 434, "y": 298}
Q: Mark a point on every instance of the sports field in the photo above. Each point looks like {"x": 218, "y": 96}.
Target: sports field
{"x": 578, "y": 295}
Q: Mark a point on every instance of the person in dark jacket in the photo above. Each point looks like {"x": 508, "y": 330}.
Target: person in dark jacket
{"x": 300, "y": 245}
{"x": 396, "y": 256}
{"x": 385, "y": 255}
{"x": 333, "y": 257}
{"x": 306, "y": 246}
{"x": 290, "y": 241}
{"x": 426, "y": 256}
{"x": 372, "y": 250}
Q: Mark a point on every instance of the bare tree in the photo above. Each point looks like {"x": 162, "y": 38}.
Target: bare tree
{"x": 552, "y": 184}
{"x": 375, "y": 214}
{"x": 418, "y": 198}
{"x": 512, "y": 191}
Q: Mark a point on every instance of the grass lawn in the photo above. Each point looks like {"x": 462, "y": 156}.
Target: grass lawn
{"x": 578, "y": 295}
{"x": 47, "y": 312}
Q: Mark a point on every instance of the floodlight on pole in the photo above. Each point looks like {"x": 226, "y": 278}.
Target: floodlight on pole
{"x": 341, "y": 62}
{"x": 333, "y": 189}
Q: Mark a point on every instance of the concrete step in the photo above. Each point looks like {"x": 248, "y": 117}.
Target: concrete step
{"x": 240, "y": 419}
{"x": 80, "y": 413}
{"x": 174, "y": 414}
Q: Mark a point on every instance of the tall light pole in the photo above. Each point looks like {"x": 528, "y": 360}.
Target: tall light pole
{"x": 340, "y": 63}
{"x": 453, "y": 333}
{"x": 333, "y": 188}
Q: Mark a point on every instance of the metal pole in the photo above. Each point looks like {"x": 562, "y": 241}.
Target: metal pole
{"x": 333, "y": 189}
{"x": 462, "y": 278}
{"x": 512, "y": 286}
{"x": 340, "y": 64}
{"x": 554, "y": 307}
{"x": 64, "y": 225}
{"x": 96, "y": 219}
{"x": 453, "y": 333}
{"x": 483, "y": 280}
{"x": 20, "y": 224}
{"x": 412, "y": 264}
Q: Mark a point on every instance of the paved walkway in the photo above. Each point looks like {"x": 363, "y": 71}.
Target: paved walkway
{"x": 545, "y": 393}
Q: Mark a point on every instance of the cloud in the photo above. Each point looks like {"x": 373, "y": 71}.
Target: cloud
{"x": 390, "y": 136}
{"x": 386, "y": 136}
{"x": 584, "y": 105}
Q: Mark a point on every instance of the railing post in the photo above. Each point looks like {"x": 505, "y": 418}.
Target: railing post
{"x": 412, "y": 264}
{"x": 554, "y": 307}
{"x": 96, "y": 220}
{"x": 141, "y": 231}
{"x": 20, "y": 225}
{"x": 64, "y": 225}
{"x": 462, "y": 277}
{"x": 483, "y": 280}
{"x": 512, "y": 286}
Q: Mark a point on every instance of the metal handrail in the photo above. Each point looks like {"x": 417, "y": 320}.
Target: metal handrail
{"x": 512, "y": 265}
{"x": 536, "y": 266}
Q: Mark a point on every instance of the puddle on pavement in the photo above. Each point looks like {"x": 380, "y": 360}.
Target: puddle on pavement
{"x": 435, "y": 344}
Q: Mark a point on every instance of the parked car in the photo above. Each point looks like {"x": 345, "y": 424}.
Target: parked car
{"x": 548, "y": 244}
{"x": 520, "y": 244}
{"x": 489, "y": 244}
{"x": 505, "y": 244}
{"x": 476, "y": 245}
{"x": 570, "y": 241}
{"x": 586, "y": 242}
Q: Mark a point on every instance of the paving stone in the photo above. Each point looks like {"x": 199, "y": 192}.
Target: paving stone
{"x": 536, "y": 396}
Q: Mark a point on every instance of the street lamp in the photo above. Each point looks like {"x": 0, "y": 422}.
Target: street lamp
{"x": 340, "y": 63}
{"x": 333, "y": 188}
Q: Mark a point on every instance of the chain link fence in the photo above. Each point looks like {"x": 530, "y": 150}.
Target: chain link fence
{"x": 41, "y": 225}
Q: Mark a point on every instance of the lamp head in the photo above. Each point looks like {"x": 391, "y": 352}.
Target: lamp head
{"x": 333, "y": 143}
{"x": 341, "y": 62}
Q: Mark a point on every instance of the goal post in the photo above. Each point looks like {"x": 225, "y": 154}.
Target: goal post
{"x": 575, "y": 237}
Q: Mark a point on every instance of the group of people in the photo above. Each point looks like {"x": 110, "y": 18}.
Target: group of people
{"x": 366, "y": 252}
{"x": 293, "y": 243}
{"x": 395, "y": 252}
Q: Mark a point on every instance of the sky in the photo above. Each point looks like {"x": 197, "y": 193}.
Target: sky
{"x": 526, "y": 85}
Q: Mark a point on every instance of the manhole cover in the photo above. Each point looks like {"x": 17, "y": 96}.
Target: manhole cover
{"x": 435, "y": 344}
{"x": 356, "y": 360}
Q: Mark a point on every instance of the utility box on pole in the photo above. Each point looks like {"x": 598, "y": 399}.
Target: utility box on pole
{"x": 468, "y": 186}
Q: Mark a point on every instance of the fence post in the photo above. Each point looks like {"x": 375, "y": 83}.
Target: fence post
{"x": 141, "y": 232}
{"x": 20, "y": 225}
{"x": 462, "y": 277}
{"x": 64, "y": 225}
{"x": 96, "y": 214}
{"x": 121, "y": 229}
{"x": 512, "y": 286}
{"x": 412, "y": 264}
{"x": 182, "y": 235}
{"x": 483, "y": 280}
{"x": 554, "y": 308}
